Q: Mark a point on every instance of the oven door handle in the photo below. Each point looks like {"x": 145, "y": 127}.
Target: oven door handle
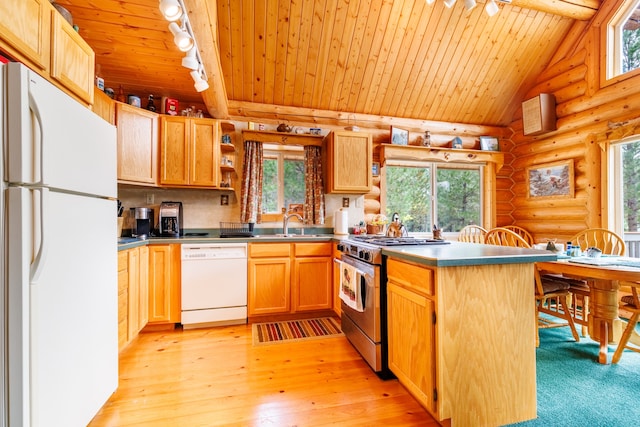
{"x": 363, "y": 289}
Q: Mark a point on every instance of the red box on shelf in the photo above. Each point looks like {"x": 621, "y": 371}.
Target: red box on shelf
{"x": 169, "y": 106}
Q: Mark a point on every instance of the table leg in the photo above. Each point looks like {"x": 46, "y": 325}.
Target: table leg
{"x": 604, "y": 314}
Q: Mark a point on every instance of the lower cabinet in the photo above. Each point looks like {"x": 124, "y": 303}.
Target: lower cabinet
{"x": 411, "y": 330}
{"x": 287, "y": 278}
{"x": 133, "y": 268}
{"x": 164, "y": 284}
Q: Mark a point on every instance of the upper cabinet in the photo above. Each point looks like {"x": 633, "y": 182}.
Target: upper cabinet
{"x": 190, "y": 152}
{"x": 72, "y": 59}
{"x": 25, "y": 30}
{"x": 36, "y": 34}
{"x": 137, "y": 145}
{"x": 104, "y": 106}
{"x": 349, "y": 158}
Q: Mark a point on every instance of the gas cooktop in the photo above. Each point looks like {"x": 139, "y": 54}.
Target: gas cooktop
{"x": 396, "y": 241}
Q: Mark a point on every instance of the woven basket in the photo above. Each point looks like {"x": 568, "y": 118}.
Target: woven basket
{"x": 375, "y": 229}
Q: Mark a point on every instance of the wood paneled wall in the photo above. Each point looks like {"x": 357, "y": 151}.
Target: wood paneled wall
{"x": 587, "y": 112}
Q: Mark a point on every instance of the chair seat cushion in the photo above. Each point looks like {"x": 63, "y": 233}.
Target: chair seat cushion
{"x": 628, "y": 299}
{"x": 552, "y": 285}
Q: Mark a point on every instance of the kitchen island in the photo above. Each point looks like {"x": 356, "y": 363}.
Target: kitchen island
{"x": 461, "y": 330}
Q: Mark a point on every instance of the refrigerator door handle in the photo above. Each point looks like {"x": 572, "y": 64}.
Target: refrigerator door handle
{"x": 41, "y": 251}
{"x": 38, "y": 145}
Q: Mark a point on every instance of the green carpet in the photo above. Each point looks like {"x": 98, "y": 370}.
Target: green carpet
{"x": 575, "y": 390}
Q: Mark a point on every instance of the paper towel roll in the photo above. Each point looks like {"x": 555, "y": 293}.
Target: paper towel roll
{"x": 341, "y": 222}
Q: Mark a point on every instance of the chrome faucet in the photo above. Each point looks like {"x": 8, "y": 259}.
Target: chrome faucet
{"x": 285, "y": 221}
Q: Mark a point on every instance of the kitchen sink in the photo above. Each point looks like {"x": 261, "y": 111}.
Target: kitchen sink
{"x": 284, "y": 236}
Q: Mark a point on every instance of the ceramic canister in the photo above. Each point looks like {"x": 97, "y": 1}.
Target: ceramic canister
{"x": 134, "y": 100}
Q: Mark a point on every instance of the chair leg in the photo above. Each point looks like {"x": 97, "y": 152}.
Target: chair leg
{"x": 625, "y": 337}
{"x": 537, "y": 325}
{"x": 564, "y": 301}
{"x": 585, "y": 315}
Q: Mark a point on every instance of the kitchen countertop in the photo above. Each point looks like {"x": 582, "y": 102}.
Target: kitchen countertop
{"x": 460, "y": 254}
{"x": 132, "y": 242}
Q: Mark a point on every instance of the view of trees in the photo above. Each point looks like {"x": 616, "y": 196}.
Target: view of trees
{"x": 458, "y": 197}
{"x": 631, "y": 180}
{"x": 293, "y": 191}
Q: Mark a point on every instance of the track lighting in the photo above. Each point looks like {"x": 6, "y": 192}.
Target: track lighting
{"x": 191, "y": 60}
{"x": 491, "y": 8}
{"x": 171, "y": 10}
{"x": 185, "y": 40}
{"x": 449, "y": 3}
{"x": 181, "y": 37}
{"x": 430, "y": 1}
{"x": 200, "y": 82}
{"x": 469, "y": 4}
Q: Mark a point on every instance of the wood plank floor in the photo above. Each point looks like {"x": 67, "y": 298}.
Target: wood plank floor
{"x": 215, "y": 376}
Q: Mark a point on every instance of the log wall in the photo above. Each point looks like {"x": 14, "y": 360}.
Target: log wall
{"x": 588, "y": 110}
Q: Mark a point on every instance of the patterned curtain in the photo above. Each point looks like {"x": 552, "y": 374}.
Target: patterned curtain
{"x": 314, "y": 188}
{"x": 251, "y": 191}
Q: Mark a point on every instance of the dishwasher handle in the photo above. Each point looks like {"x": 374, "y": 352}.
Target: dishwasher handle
{"x": 193, "y": 252}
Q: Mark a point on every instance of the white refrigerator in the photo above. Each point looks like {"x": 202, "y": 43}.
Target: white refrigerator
{"x": 59, "y": 263}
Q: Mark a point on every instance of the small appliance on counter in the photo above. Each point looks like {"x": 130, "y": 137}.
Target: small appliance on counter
{"x": 170, "y": 222}
{"x": 142, "y": 222}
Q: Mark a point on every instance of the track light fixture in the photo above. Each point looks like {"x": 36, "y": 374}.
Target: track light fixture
{"x": 171, "y": 10}
{"x": 185, "y": 40}
{"x": 491, "y": 6}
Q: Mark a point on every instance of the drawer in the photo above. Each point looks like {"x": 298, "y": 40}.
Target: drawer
{"x": 313, "y": 249}
{"x": 268, "y": 250}
{"x": 410, "y": 276}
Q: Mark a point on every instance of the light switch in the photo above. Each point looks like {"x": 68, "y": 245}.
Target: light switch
{"x": 149, "y": 198}
{"x": 345, "y": 202}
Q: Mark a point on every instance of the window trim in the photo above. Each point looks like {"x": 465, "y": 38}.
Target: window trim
{"x": 609, "y": 69}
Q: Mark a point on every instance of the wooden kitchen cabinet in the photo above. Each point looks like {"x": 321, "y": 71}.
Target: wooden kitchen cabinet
{"x": 269, "y": 278}
{"x": 72, "y": 59}
{"x": 289, "y": 278}
{"x": 348, "y": 158}
{"x": 104, "y": 107}
{"x": 25, "y": 31}
{"x": 190, "y": 152}
{"x": 137, "y": 145}
{"x": 133, "y": 305}
{"x": 312, "y": 277}
{"x": 164, "y": 284}
{"x": 411, "y": 329}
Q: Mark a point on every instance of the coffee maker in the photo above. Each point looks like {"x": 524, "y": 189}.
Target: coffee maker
{"x": 142, "y": 222}
{"x": 170, "y": 220}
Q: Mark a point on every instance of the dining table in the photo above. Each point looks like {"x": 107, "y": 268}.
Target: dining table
{"x": 604, "y": 277}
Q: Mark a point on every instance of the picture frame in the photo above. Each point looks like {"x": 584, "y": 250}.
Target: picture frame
{"x": 399, "y": 136}
{"x": 551, "y": 180}
{"x": 375, "y": 169}
{"x": 489, "y": 143}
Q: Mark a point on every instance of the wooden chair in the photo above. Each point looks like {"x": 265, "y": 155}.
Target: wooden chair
{"x": 632, "y": 305}
{"x": 503, "y": 237}
{"x": 609, "y": 243}
{"x": 521, "y": 232}
{"x": 552, "y": 296}
{"x": 472, "y": 234}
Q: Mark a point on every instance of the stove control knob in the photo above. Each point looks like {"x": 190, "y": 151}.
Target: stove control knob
{"x": 341, "y": 247}
{"x": 363, "y": 254}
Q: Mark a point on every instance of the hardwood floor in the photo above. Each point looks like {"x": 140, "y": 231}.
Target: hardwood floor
{"x": 215, "y": 376}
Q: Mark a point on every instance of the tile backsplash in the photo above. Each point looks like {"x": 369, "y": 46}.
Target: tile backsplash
{"x": 202, "y": 208}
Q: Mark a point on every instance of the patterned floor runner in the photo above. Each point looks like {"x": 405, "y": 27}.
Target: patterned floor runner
{"x": 294, "y": 330}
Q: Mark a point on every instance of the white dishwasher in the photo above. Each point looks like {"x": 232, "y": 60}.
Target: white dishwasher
{"x": 214, "y": 284}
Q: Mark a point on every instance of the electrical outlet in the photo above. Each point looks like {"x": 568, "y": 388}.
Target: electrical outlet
{"x": 345, "y": 202}
{"x": 149, "y": 198}
{"x": 224, "y": 200}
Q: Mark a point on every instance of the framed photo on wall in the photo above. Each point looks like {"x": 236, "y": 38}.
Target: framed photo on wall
{"x": 489, "y": 143}
{"x": 399, "y": 136}
{"x": 551, "y": 180}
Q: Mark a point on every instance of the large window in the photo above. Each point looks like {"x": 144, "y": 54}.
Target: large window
{"x": 447, "y": 195}
{"x": 626, "y": 185}
{"x": 283, "y": 183}
{"x": 623, "y": 40}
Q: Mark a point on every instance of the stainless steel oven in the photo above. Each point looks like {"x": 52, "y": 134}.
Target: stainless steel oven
{"x": 367, "y": 329}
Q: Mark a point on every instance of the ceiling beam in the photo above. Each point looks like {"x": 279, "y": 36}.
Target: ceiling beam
{"x": 581, "y": 10}
{"x": 203, "y": 16}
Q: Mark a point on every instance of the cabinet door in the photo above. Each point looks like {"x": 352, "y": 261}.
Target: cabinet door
{"x": 25, "y": 30}
{"x": 174, "y": 151}
{"x": 104, "y": 106}
{"x": 123, "y": 298}
{"x": 159, "y": 283}
{"x": 349, "y": 160}
{"x": 204, "y": 153}
{"x": 134, "y": 293}
{"x": 72, "y": 59}
{"x": 411, "y": 335}
{"x": 313, "y": 279}
{"x": 269, "y": 286}
{"x": 137, "y": 145}
{"x": 143, "y": 287}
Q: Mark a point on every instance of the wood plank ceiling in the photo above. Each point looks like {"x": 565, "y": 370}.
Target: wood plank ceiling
{"x": 393, "y": 58}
